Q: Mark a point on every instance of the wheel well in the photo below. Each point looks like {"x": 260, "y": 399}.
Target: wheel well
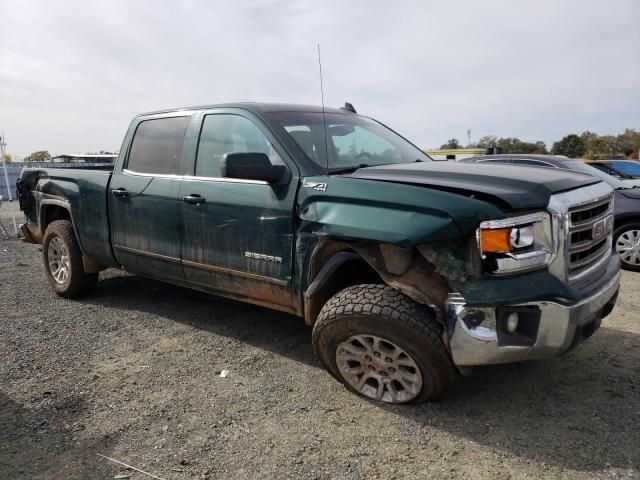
{"x": 619, "y": 223}
{"x": 51, "y": 213}
{"x": 354, "y": 271}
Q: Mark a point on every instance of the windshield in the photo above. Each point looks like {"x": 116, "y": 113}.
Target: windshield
{"x": 630, "y": 168}
{"x": 352, "y": 141}
{"x": 605, "y": 177}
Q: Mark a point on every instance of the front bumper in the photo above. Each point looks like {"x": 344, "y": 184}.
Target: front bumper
{"x": 479, "y": 335}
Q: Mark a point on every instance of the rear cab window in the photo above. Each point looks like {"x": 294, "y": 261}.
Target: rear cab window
{"x": 157, "y": 146}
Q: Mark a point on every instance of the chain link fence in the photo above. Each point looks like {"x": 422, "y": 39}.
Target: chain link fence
{"x": 14, "y": 169}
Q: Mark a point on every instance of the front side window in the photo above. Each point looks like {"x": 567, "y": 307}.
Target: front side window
{"x": 157, "y": 146}
{"x": 348, "y": 140}
{"x": 532, "y": 163}
{"x": 228, "y": 133}
{"x": 579, "y": 166}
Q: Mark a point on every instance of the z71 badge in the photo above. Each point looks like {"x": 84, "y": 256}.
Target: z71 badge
{"x": 321, "y": 187}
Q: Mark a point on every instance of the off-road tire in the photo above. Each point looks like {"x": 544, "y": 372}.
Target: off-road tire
{"x": 381, "y": 311}
{"x": 78, "y": 283}
{"x": 616, "y": 234}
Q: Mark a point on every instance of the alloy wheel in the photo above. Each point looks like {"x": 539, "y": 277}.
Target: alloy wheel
{"x": 628, "y": 247}
{"x": 59, "y": 262}
{"x": 379, "y": 369}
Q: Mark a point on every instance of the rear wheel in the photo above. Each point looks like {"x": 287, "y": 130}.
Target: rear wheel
{"x": 626, "y": 243}
{"x": 381, "y": 344}
{"x": 63, "y": 261}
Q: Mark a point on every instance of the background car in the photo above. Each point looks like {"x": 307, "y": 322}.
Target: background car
{"x": 626, "y": 235}
{"x": 623, "y": 169}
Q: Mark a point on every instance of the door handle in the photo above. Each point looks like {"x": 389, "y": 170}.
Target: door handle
{"x": 120, "y": 193}
{"x": 194, "y": 199}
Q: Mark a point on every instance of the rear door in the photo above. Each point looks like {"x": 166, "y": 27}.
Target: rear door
{"x": 143, "y": 198}
{"x": 237, "y": 235}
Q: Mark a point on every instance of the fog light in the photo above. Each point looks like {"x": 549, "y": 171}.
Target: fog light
{"x": 512, "y": 322}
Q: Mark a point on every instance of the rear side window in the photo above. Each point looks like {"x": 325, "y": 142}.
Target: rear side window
{"x": 500, "y": 160}
{"x": 157, "y": 146}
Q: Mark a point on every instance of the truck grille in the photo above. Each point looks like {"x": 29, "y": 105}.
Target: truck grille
{"x": 589, "y": 239}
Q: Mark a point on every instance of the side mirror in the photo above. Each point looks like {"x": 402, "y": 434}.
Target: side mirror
{"x": 253, "y": 166}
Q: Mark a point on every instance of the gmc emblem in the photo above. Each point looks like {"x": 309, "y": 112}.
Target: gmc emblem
{"x": 602, "y": 228}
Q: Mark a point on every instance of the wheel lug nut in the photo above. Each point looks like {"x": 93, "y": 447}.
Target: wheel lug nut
{"x": 389, "y": 359}
{"x": 367, "y": 358}
{"x": 392, "y": 369}
{"x": 377, "y": 354}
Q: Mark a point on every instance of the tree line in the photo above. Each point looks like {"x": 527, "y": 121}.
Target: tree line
{"x": 586, "y": 145}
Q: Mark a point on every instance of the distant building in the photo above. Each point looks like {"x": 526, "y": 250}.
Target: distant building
{"x": 455, "y": 153}
{"x": 85, "y": 158}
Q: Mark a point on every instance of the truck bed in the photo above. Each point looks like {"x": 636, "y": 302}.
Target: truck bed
{"x": 80, "y": 193}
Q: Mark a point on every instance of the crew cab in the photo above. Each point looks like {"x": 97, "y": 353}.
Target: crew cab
{"x": 407, "y": 269}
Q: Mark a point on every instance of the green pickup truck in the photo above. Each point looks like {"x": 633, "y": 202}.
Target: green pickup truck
{"x": 408, "y": 270}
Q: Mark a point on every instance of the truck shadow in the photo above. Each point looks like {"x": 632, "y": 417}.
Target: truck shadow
{"x": 545, "y": 411}
{"x": 277, "y": 332}
{"x": 41, "y": 440}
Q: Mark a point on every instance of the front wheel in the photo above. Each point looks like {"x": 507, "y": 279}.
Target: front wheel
{"x": 381, "y": 344}
{"x": 63, "y": 261}
{"x": 626, "y": 243}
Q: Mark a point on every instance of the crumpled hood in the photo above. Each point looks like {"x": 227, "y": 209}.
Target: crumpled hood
{"x": 520, "y": 187}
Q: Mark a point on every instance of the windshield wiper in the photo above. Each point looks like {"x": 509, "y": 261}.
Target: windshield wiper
{"x": 350, "y": 169}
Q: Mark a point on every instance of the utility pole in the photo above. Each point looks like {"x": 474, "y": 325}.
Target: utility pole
{"x": 469, "y": 137}
{"x": 4, "y": 164}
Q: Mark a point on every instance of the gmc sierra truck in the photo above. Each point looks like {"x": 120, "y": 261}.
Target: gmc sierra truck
{"x": 407, "y": 269}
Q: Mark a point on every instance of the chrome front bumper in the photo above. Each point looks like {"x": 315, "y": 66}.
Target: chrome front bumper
{"x": 478, "y": 338}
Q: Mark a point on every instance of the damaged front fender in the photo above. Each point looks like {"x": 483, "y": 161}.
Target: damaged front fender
{"x": 385, "y": 212}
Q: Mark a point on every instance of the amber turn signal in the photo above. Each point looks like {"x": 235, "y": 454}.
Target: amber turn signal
{"x": 497, "y": 240}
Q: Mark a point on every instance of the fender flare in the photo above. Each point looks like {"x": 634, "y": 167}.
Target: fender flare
{"x": 89, "y": 265}
{"x": 320, "y": 280}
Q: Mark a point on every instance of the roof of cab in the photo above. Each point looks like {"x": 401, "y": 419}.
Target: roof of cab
{"x": 257, "y": 107}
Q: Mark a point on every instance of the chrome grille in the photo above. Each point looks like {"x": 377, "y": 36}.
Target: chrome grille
{"x": 589, "y": 235}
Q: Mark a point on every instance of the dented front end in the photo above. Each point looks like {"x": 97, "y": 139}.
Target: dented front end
{"x": 528, "y": 301}
{"x": 418, "y": 240}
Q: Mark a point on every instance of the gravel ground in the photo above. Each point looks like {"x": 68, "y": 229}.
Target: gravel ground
{"x": 133, "y": 373}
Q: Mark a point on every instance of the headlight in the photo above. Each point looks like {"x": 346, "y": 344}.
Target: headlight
{"x": 516, "y": 244}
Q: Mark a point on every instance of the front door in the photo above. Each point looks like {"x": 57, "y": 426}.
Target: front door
{"x": 237, "y": 235}
{"x": 144, "y": 200}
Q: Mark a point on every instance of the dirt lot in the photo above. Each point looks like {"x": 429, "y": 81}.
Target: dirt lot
{"x": 132, "y": 372}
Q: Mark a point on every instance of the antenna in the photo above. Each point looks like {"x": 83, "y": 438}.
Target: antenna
{"x": 324, "y": 118}
{"x": 4, "y": 165}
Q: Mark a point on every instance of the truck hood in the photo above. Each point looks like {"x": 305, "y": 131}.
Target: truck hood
{"x": 518, "y": 187}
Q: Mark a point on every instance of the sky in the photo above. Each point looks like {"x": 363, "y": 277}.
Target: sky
{"x": 74, "y": 73}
